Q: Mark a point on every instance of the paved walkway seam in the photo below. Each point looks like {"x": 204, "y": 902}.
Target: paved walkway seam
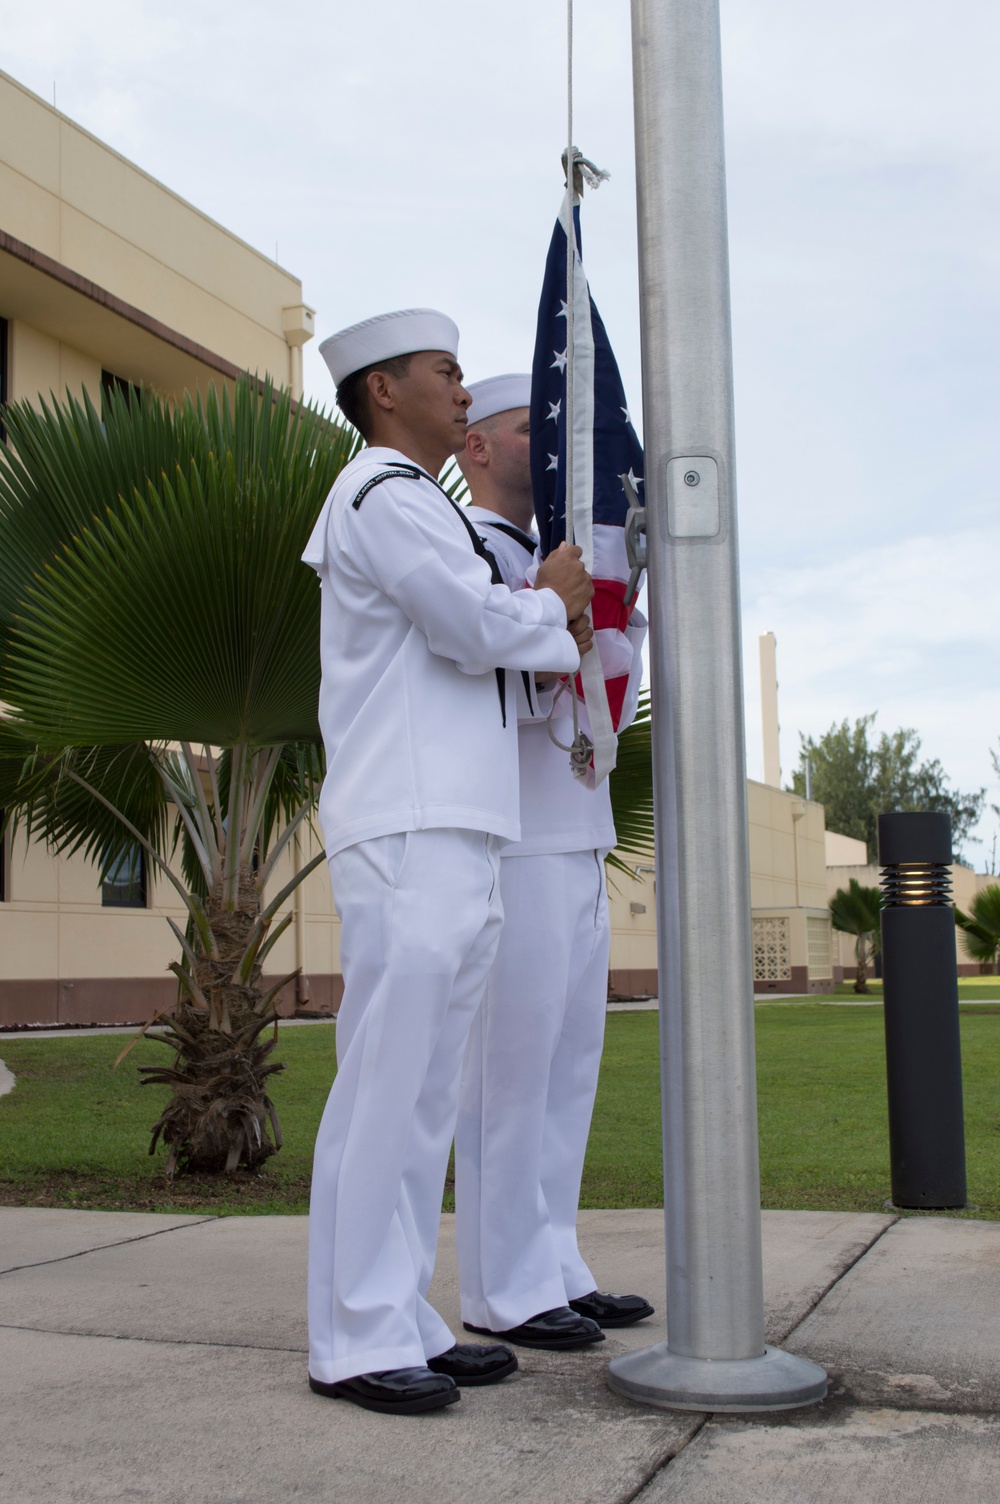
{"x": 637, "y": 1492}
{"x": 82, "y": 1252}
{"x": 665, "y": 1462}
{"x": 836, "y": 1280}
{"x": 56, "y": 1331}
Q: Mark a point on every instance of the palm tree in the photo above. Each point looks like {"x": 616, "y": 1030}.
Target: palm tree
{"x": 159, "y": 664}
{"x": 981, "y": 927}
{"x": 856, "y": 910}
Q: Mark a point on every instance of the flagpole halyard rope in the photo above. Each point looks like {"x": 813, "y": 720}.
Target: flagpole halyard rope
{"x": 575, "y": 749}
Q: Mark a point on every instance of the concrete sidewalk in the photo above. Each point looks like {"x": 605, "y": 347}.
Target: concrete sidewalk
{"x": 162, "y": 1359}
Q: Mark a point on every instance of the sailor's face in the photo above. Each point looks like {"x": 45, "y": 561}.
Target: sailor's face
{"x": 433, "y": 399}
{"x": 510, "y": 449}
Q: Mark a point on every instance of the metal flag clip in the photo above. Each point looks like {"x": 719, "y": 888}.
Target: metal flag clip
{"x": 635, "y": 538}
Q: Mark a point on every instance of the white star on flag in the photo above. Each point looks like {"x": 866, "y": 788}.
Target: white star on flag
{"x": 555, "y": 408}
{"x": 555, "y": 462}
{"x": 560, "y": 360}
{"x": 563, "y": 311}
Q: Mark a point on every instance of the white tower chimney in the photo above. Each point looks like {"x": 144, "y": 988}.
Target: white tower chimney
{"x": 769, "y": 709}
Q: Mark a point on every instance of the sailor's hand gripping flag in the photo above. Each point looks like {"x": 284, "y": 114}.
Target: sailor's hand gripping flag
{"x": 575, "y": 375}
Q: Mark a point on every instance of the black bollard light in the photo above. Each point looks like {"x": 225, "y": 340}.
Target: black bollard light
{"x": 920, "y": 980}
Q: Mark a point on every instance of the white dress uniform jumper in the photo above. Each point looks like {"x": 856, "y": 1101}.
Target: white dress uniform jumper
{"x": 421, "y": 790}
{"x": 531, "y": 1070}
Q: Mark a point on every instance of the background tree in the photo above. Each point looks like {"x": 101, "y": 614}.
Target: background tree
{"x": 981, "y": 927}
{"x": 159, "y": 664}
{"x": 857, "y": 778}
{"x": 855, "y": 910}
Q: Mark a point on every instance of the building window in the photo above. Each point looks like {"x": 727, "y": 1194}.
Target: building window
{"x": 772, "y": 950}
{"x": 112, "y": 383}
{"x": 819, "y": 946}
{"x": 125, "y": 886}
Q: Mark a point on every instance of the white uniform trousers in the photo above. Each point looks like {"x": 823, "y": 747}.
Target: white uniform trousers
{"x": 528, "y": 1088}
{"x": 420, "y": 916}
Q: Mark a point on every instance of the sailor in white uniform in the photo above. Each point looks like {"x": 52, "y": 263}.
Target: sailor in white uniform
{"x": 531, "y": 1071}
{"x": 419, "y": 721}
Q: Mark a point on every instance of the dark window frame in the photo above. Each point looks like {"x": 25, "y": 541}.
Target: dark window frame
{"x": 137, "y": 890}
{"x": 130, "y": 390}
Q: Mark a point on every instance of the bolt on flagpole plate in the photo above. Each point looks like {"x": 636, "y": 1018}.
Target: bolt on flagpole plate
{"x": 715, "y": 1357}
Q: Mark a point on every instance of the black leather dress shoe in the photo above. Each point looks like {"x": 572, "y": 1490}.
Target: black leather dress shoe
{"x": 612, "y": 1310}
{"x": 475, "y": 1362}
{"x": 554, "y": 1330}
{"x": 394, "y": 1391}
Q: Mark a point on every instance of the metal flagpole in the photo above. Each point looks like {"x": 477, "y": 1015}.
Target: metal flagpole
{"x": 714, "y": 1357}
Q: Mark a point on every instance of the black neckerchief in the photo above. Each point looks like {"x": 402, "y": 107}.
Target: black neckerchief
{"x": 525, "y": 539}
{"x": 414, "y": 472}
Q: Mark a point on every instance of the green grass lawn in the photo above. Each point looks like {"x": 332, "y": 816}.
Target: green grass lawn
{"x": 74, "y": 1132}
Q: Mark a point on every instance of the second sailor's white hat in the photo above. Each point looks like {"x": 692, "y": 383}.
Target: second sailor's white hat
{"x": 388, "y": 334}
{"x": 498, "y": 394}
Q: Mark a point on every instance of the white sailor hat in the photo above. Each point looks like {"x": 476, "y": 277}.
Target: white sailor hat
{"x": 498, "y": 394}
{"x": 388, "y": 334}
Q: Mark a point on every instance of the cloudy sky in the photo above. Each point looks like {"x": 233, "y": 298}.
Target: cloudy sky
{"x": 400, "y": 153}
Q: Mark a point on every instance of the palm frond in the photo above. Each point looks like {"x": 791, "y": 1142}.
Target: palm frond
{"x": 855, "y": 910}
{"x": 979, "y": 943}
{"x": 454, "y": 482}
{"x": 66, "y": 463}
{"x": 981, "y": 926}
{"x": 181, "y": 611}
{"x": 50, "y": 804}
{"x": 985, "y": 908}
{"x": 631, "y": 787}
{"x": 16, "y": 757}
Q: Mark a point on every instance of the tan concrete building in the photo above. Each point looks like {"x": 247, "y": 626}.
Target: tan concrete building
{"x": 796, "y": 866}
{"x": 103, "y": 269}
{"x": 792, "y": 935}
{"x": 106, "y": 275}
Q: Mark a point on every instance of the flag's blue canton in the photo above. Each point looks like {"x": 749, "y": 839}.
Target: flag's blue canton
{"x": 617, "y": 450}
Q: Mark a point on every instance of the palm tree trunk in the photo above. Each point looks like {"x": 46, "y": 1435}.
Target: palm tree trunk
{"x": 861, "y": 955}
{"x": 220, "y": 1117}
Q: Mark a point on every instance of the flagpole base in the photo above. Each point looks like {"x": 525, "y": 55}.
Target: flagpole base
{"x": 775, "y": 1381}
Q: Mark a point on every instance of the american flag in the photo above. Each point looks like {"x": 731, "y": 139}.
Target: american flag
{"x": 605, "y": 447}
